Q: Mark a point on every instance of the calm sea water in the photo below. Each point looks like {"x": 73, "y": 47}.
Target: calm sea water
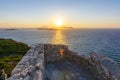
{"x": 103, "y": 41}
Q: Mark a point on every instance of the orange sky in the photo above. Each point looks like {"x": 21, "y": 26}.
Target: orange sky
{"x": 79, "y": 25}
{"x": 74, "y": 13}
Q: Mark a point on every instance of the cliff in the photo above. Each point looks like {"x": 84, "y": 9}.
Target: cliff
{"x": 32, "y": 65}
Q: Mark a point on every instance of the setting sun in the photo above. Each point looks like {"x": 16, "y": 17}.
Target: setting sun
{"x": 58, "y": 22}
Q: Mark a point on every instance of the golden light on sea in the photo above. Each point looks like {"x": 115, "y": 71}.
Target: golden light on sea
{"x": 58, "y": 38}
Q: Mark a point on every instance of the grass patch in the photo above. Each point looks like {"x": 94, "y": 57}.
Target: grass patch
{"x": 11, "y": 53}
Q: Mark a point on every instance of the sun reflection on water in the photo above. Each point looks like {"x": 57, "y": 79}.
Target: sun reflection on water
{"x": 58, "y": 38}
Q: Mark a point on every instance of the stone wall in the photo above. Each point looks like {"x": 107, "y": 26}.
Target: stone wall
{"x": 52, "y": 52}
{"x": 32, "y": 65}
{"x": 103, "y": 67}
{"x": 77, "y": 58}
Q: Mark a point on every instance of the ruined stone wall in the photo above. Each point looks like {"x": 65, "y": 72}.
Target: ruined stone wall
{"x": 32, "y": 65}
{"x": 77, "y": 58}
{"x": 103, "y": 67}
{"x": 52, "y": 52}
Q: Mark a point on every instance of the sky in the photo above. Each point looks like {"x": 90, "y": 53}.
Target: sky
{"x": 74, "y": 13}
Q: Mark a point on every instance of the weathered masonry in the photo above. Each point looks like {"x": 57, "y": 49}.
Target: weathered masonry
{"x": 33, "y": 65}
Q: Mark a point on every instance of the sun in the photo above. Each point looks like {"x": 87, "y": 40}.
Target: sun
{"x": 59, "y": 22}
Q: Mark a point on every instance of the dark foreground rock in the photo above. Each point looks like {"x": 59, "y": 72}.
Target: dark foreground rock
{"x": 33, "y": 65}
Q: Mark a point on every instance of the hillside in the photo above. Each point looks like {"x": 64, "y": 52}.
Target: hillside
{"x": 11, "y": 53}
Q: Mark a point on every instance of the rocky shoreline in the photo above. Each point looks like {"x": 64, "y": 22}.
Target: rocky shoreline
{"x": 32, "y": 65}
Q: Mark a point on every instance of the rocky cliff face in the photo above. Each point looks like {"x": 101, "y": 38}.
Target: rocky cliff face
{"x": 32, "y": 65}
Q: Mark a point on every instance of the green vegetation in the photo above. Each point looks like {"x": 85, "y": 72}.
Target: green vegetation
{"x": 11, "y": 53}
{"x": 11, "y": 47}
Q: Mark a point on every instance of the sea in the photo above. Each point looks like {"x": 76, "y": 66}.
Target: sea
{"x": 83, "y": 41}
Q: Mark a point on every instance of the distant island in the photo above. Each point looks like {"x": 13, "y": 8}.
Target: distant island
{"x": 64, "y": 28}
{"x": 10, "y": 29}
